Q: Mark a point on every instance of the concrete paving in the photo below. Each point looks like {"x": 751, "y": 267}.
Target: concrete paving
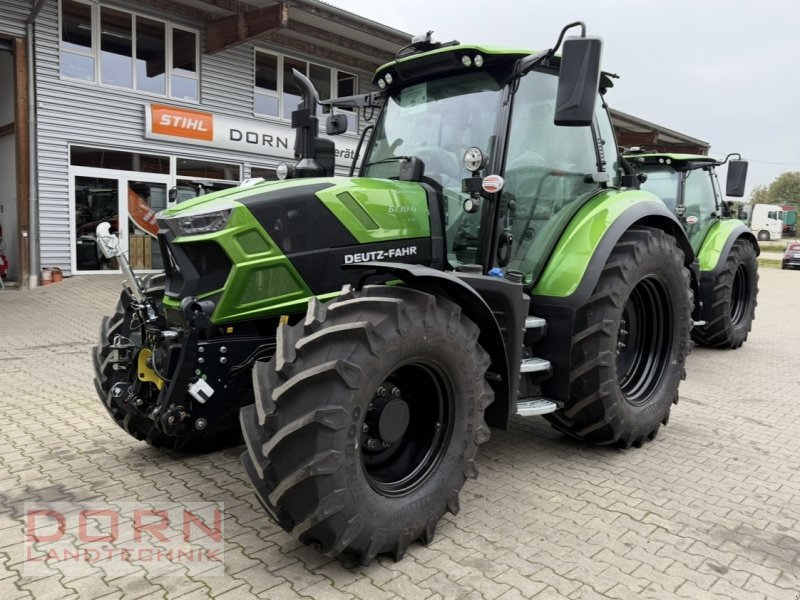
{"x": 708, "y": 510}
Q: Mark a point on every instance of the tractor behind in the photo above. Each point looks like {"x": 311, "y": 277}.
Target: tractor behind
{"x": 726, "y": 267}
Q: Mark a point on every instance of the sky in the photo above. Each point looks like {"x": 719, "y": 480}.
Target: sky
{"x": 726, "y": 72}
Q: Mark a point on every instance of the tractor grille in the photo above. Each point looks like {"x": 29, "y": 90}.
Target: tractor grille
{"x": 193, "y": 269}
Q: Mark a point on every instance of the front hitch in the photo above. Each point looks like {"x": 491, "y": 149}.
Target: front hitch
{"x": 110, "y": 247}
{"x": 171, "y": 414}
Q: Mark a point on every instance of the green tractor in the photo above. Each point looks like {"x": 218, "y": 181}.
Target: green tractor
{"x": 726, "y": 250}
{"x": 484, "y": 262}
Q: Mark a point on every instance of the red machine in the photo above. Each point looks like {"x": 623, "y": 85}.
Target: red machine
{"x": 3, "y": 259}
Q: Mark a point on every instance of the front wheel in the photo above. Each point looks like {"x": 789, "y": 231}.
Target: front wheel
{"x": 629, "y": 343}
{"x": 763, "y": 236}
{"x": 367, "y": 420}
{"x": 733, "y": 300}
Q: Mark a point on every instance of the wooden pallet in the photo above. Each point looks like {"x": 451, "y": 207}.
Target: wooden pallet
{"x": 140, "y": 254}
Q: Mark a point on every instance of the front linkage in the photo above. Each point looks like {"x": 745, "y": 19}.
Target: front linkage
{"x": 158, "y": 376}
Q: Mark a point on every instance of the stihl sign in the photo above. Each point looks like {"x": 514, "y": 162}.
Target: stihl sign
{"x": 180, "y": 122}
{"x": 176, "y": 124}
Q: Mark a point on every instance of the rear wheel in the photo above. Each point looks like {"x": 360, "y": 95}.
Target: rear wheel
{"x": 108, "y": 379}
{"x": 629, "y": 344}
{"x": 733, "y": 301}
{"x": 367, "y": 420}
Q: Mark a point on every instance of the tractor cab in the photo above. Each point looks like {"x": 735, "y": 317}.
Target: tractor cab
{"x": 503, "y": 139}
{"x": 688, "y": 186}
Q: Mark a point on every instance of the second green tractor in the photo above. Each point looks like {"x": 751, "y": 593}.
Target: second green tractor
{"x": 727, "y": 268}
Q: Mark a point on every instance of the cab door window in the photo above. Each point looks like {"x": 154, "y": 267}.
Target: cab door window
{"x": 545, "y": 173}
{"x": 700, "y": 203}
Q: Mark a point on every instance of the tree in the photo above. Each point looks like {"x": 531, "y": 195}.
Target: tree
{"x": 759, "y": 195}
{"x": 785, "y": 189}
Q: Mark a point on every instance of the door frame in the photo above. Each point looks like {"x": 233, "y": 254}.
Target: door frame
{"x": 122, "y": 178}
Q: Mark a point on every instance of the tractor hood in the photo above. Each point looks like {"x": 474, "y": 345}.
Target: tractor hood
{"x": 251, "y": 247}
{"x": 365, "y": 210}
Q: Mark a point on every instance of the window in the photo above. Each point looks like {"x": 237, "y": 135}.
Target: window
{"x": 437, "y": 121}
{"x": 663, "y": 181}
{"x": 128, "y": 51}
{"x": 545, "y": 173}
{"x": 122, "y": 161}
{"x": 116, "y": 47}
{"x": 199, "y": 177}
{"x": 277, "y": 93}
{"x": 700, "y": 203}
{"x": 202, "y": 169}
{"x": 267, "y": 100}
{"x": 151, "y": 50}
{"x": 77, "y": 45}
{"x": 185, "y": 83}
{"x": 266, "y": 173}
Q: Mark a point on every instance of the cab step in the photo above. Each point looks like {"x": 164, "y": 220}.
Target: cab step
{"x": 534, "y": 365}
{"x": 530, "y": 407}
{"x": 535, "y": 323}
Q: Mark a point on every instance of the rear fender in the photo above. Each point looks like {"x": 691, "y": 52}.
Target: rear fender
{"x": 578, "y": 259}
{"x": 574, "y": 269}
{"x": 504, "y": 381}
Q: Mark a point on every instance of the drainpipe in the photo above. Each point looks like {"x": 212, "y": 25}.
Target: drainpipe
{"x": 33, "y": 234}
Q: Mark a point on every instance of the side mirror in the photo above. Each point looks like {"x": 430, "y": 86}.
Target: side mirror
{"x": 108, "y": 242}
{"x": 737, "y": 176}
{"x": 336, "y": 124}
{"x": 578, "y": 81}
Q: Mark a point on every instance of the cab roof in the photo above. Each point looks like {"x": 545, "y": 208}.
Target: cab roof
{"x": 678, "y": 161}
{"x": 673, "y": 156}
{"x": 448, "y": 58}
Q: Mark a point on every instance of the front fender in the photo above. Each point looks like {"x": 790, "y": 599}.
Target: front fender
{"x": 459, "y": 288}
{"x": 713, "y": 257}
{"x": 585, "y": 245}
{"x": 719, "y": 241}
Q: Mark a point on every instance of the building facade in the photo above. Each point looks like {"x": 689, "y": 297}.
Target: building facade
{"x": 115, "y": 109}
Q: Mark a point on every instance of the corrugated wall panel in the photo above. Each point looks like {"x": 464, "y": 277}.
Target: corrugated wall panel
{"x": 13, "y": 16}
{"x": 52, "y": 183}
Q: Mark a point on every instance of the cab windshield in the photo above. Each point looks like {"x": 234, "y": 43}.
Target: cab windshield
{"x": 663, "y": 181}
{"x": 436, "y": 121}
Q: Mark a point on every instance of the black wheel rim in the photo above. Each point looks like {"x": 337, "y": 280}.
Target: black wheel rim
{"x": 740, "y": 295}
{"x": 399, "y": 466}
{"x": 644, "y": 341}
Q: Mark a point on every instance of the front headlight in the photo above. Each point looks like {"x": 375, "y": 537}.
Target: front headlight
{"x": 198, "y": 223}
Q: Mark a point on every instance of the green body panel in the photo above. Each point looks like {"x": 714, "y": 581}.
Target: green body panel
{"x": 710, "y": 253}
{"x": 214, "y": 201}
{"x": 570, "y": 259}
{"x": 378, "y": 210}
{"x": 263, "y": 282}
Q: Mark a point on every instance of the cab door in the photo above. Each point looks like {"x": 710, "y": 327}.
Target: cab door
{"x": 700, "y": 199}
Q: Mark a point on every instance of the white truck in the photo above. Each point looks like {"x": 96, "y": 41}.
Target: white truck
{"x": 766, "y": 221}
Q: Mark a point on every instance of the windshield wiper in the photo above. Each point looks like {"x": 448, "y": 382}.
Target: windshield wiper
{"x": 387, "y": 160}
